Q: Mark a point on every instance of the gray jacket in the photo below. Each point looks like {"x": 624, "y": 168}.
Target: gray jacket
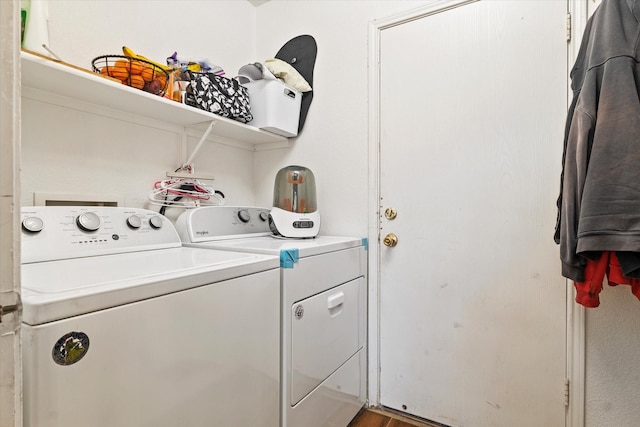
{"x": 599, "y": 202}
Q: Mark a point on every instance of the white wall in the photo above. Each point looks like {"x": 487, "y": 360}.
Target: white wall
{"x": 612, "y": 354}
{"x": 612, "y": 348}
{"x": 72, "y": 151}
{"x": 67, "y": 150}
{"x": 333, "y": 143}
{"x": 222, "y": 31}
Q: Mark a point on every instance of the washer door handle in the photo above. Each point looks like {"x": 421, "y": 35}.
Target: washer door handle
{"x": 335, "y": 300}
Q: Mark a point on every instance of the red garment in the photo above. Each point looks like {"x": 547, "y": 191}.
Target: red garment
{"x": 587, "y": 292}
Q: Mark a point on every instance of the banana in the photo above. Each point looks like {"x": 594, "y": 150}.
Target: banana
{"x": 131, "y": 54}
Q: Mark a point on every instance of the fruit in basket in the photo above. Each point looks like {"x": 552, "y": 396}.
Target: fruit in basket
{"x": 131, "y": 65}
{"x": 148, "y": 72}
{"x": 162, "y": 79}
{"x": 124, "y": 63}
{"x": 118, "y": 71}
{"x": 131, "y": 54}
{"x": 126, "y": 71}
{"x": 132, "y": 72}
{"x": 136, "y": 67}
{"x": 158, "y": 84}
{"x": 153, "y": 86}
{"x": 136, "y": 81}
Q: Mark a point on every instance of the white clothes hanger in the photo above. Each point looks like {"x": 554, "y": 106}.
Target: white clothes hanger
{"x": 180, "y": 190}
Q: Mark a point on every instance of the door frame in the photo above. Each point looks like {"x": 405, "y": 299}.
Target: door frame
{"x": 575, "y": 327}
{"x": 10, "y": 100}
{"x": 578, "y": 12}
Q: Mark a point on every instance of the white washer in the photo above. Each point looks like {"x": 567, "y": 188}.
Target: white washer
{"x": 122, "y": 326}
{"x": 323, "y": 286}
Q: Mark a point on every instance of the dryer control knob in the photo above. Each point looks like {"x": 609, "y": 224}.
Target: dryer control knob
{"x": 244, "y": 216}
{"x": 32, "y": 224}
{"x": 88, "y": 221}
{"x": 264, "y": 216}
{"x": 134, "y": 221}
{"x": 155, "y": 222}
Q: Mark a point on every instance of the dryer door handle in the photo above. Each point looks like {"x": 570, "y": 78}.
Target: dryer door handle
{"x": 335, "y": 300}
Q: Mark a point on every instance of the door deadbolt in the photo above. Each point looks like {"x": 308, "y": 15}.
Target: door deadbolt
{"x": 390, "y": 213}
{"x": 390, "y": 240}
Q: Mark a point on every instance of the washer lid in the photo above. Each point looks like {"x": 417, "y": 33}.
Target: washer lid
{"x": 274, "y": 245}
{"x": 59, "y": 289}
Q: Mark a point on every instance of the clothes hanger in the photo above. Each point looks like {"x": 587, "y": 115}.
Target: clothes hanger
{"x": 183, "y": 190}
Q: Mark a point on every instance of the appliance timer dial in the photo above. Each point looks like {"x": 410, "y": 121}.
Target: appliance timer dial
{"x": 32, "y": 224}
{"x": 88, "y": 221}
{"x": 134, "y": 221}
{"x": 243, "y": 215}
{"x": 155, "y": 222}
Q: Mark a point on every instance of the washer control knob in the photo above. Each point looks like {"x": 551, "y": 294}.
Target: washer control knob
{"x": 134, "y": 221}
{"x": 155, "y": 222}
{"x": 88, "y": 221}
{"x": 243, "y": 215}
{"x": 264, "y": 216}
{"x": 32, "y": 224}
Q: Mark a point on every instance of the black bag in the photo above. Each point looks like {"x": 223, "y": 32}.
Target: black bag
{"x": 219, "y": 95}
{"x": 301, "y": 53}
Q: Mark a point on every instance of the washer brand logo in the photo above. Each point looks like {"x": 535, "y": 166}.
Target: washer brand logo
{"x": 70, "y": 348}
{"x": 202, "y": 233}
{"x": 299, "y": 312}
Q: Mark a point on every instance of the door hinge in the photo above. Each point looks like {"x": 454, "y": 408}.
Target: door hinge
{"x": 566, "y": 392}
{"x": 568, "y": 27}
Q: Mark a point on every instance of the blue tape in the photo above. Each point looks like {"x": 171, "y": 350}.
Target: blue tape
{"x": 288, "y": 257}
{"x": 365, "y": 243}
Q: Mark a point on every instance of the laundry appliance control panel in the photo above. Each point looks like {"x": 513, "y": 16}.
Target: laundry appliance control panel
{"x": 61, "y": 232}
{"x": 222, "y": 223}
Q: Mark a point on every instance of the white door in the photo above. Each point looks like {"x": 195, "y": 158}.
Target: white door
{"x": 10, "y": 364}
{"x": 472, "y": 302}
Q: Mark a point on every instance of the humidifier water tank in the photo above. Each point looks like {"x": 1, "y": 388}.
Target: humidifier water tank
{"x": 295, "y": 208}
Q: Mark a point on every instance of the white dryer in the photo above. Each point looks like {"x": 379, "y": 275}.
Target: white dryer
{"x": 122, "y": 326}
{"x": 323, "y": 299}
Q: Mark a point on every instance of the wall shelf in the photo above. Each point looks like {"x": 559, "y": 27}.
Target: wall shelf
{"x": 57, "y": 78}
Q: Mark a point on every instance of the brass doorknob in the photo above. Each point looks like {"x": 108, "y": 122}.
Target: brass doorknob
{"x": 390, "y": 240}
{"x": 390, "y": 213}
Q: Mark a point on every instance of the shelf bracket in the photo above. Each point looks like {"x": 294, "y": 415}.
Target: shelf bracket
{"x": 186, "y": 170}
{"x": 199, "y": 145}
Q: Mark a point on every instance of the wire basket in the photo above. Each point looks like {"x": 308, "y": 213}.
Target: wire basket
{"x": 133, "y": 72}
